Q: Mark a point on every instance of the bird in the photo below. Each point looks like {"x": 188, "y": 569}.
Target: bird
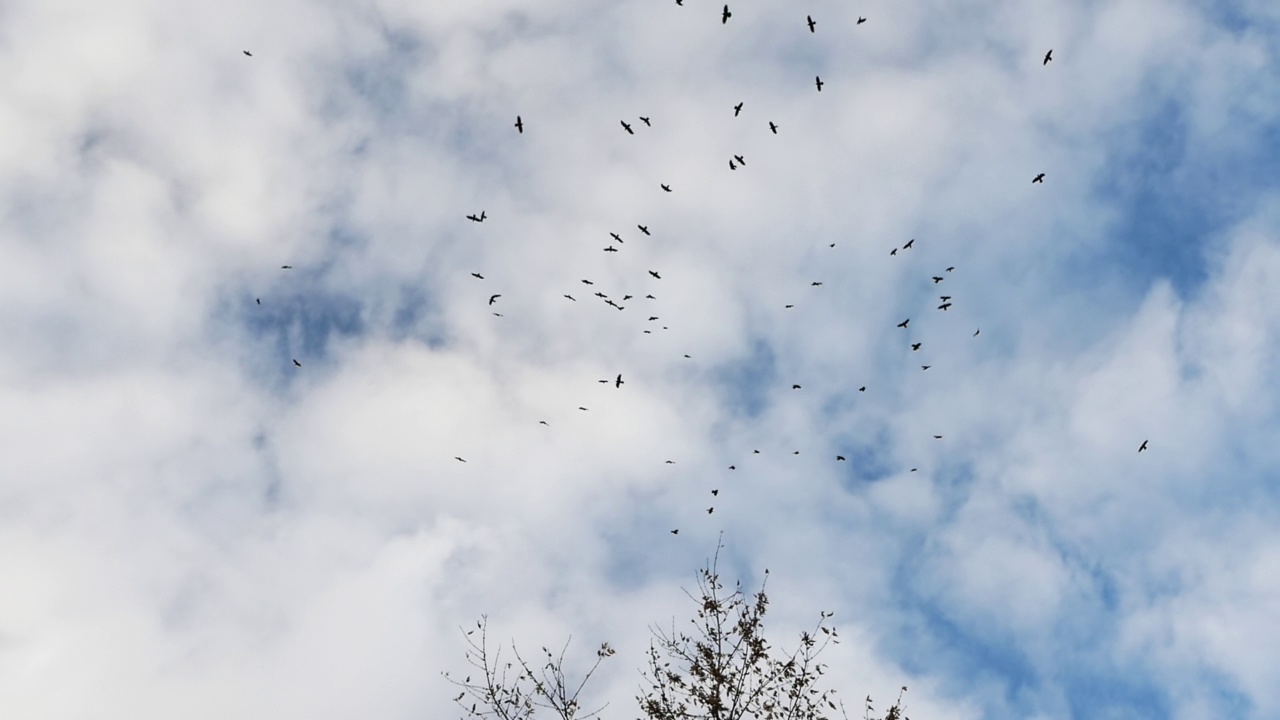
{"x": 676, "y": 531}
{"x": 910, "y": 242}
{"x": 731, "y": 467}
{"x": 731, "y": 165}
{"x": 656, "y": 275}
{"x": 1047, "y": 57}
{"x": 671, "y": 462}
{"x": 286, "y": 267}
{"x": 645, "y": 120}
{"x": 710, "y": 510}
{"x": 975, "y": 332}
{"x": 818, "y": 81}
{"x": 519, "y": 124}
{"x": 925, "y": 367}
{"x": 615, "y": 236}
{"x": 1143, "y": 446}
{"x": 497, "y": 314}
{"x": 544, "y": 422}
{"x": 815, "y": 284}
{"x": 455, "y": 457}
{"x": 581, "y": 408}
{"x": 755, "y": 452}
{"x": 587, "y": 282}
{"x": 944, "y": 298}
{"x": 915, "y": 346}
{"x": 787, "y": 307}
{"x": 904, "y": 323}
{"x": 627, "y": 297}
{"x": 611, "y": 249}
{"x": 893, "y": 251}
{"x": 666, "y": 187}
{"x": 741, "y": 162}
{"x": 643, "y": 229}
{"x": 840, "y": 458}
{"x": 773, "y": 127}
{"x": 478, "y": 276}
{"x": 724, "y": 17}
{"x": 572, "y": 298}
{"x": 650, "y": 297}
{"x": 950, "y": 268}
{"x": 716, "y": 491}
{"x": 943, "y": 307}
{"x": 860, "y": 21}
{"x": 652, "y": 318}
{"x": 476, "y": 218}
{"x": 936, "y": 279}
{"x": 258, "y": 300}
{"x": 603, "y": 382}
{"x": 493, "y": 297}
{"x": 937, "y": 437}
{"x": 809, "y": 18}
{"x": 627, "y": 127}
{"x": 618, "y": 383}
{"x": 737, "y": 109}
{"x": 295, "y": 362}
{"x": 795, "y": 387}
{"x": 1038, "y": 179}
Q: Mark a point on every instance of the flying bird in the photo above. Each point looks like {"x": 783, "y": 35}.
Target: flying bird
{"x": 1143, "y": 446}
{"x": 975, "y": 332}
{"x": 618, "y": 383}
{"x": 795, "y": 387}
{"x": 809, "y": 18}
{"x": 904, "y": 323}
{"x": 650, "y": 297}
{"x": 840, "y": 458}
{"x": 944, "y": 298}
{"x": 860, "y": 21}
{"x": 937, "y": 437}
{"x": 572, "y": 298}
{"x": 455, "y": 457}
{"x": 815, "y": 284}
{"x": 710, "y": 510}
{"x": 627, "y": 127}
{"x": 295, "y": 362}
{"x": 581, "y": 408}
{"x": 925, "y": 367}
{"x": 773, "y": 127}
{"x": 915, "y": 346}
{"x": 476, "y": 218}
{"x": 943, "y": 307}
{"x": 936, "y": 279}
{"x": 519, "y": 124}
{"x": 671, "y": 462}
{"x": 666, "y": 187}
{"x": 818, "y": 81}
{"x": 676, "y": 531}
{"x": 656, "y": 275}
{"x": 587, "y": 282}
{"x": 615, "y": 237}
{"x": 1047, "y": 57}
{"x": 544, "y": 422}
{"x": 1038, "y": 179}
{"x": 246, "y": 52}
{"x": 741, "y": 162}
{"x": 893, "y": 251}
{"x": 717, "y": 490}
{"x": 645, "y": 120}
{"x": 787, "y": 307}
{"x": 910, "y": 242}
{"x": 611, "y": 249}
{"x": 477, "y": 276}
{"x": 286, "y": 267}
{"x": 731, "y": 165}
{"x": 643, "y": 229}
{"x": 258, "y": 300}
{"x": 737, "y": 109}
{"x": 724, "y": 17}
{"x": 950, "y": 268}
{"x": 862, "y": 389}
{"x": 493, "y": 297}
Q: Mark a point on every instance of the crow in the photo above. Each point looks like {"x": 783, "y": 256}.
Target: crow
{"x": 671, "y": 462}
{"x": 474, "y": 218}
{"x": 581, "y": 408}
{"x": 646, "y": 122}
{"x": 925, "y": 367}
{"x": 643, "y": 229}
{"x": 944, "y": 298}
{"x": 737, "y": 109}
{"x": 572, "y": 298}
{"x": 815, "y": 284}
{"x": 724, "y": 18}
{"x": 519, "y": 125}
{"x": 676, "y": 531}
{"x": 587, "y": 282}
{"x": 937, "y": 437}
{"x": 910, "y": 242}
{"x": 862, "y": 389}
{"x": 477, "y": 276}
{"x": 1038, "y": 179}
{"x": 936, "y": 279}
{"x": 710, "y": 510}
{"x": 818, "y": 81}
{"x": 543, "y": 422}
{"x": 493, "y": 297}
{"x": 716, "y": 491}
{"x": 258, "y": 300}
{"x": 975, "y": 332}
{"x": 650, "y": 297}
{"x": 1143, "y": 446}
{"x": 840, "y": 458}
{"x": 795, "y": 387}
{"x": 741, "y": 162}
{"x": 731, "y": 165}
{"x": 950, "y": 268}
{"x": 893, "y": 251}
{"x": 773, "y": 127}
{"x": 755, "y": 452}
{"x": 1047, "y": 57}
{"x": 787, "y": 307}
{"x": 915, "y": 346}
{"x": 860, "y": 21}
{"x": 626, "y": 297}
{"x": 811, "y": 23}
{"x": 627, "y": 127}
{"x": 618, "y": 383}
{"x": 611, "y": 249}
{"x": 295, "y": 362}
{"x": 904, "y": 323}
{"x": 455, "y": 457}
{"x": 652, "y": 318}
{"x": 666, "y": 187}
{"x": 943, "y": 307}
{"x": 286, "y": 267}
{"x": 246, "y": 52}
{"x": 655, "y": 275}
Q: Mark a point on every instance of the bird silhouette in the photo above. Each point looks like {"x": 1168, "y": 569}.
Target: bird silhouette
{"x": 937, "y": 437}
{"x": 795, "y": 387}
{"x": 710, "y": 510}
{"x": 915, "y": 346}
{"x": 572, "y": 298}
{"x": 737, "y": 109}
{"x": 246, "y": 52}
{"x": 296, "y": 363}
{"x": 862, "y": 389}
{"x": 286, "y": 267}
{"x": 611, "y": 249}
{"x": 773, "y": 127}
{"x": 666, "y": 187}
{"x": 910, "y": 242}
{"x": 581, "y": 408}
{"x": 587, "y": 282}
{"x": 943, "y": 307}
{"x": 627, "y": 127}
{"x": 493, "y": 297}
{"x": 787, "y": 307}
{"x": 975, "y": 332}
{"x": 1047, "y": 57}
{"x": 455, "y": 457}
{"x": 944, "y": 298}
{"x": 860, "y": 21}
{"x": 818, "y": 81}
{"x": 741, "y": 162}
{"x": 478, "y": 276}
{"x": 519, "y": 124}
{"x": 716, "y": 491}
{"x": 1143, "y": 446}
{"x": 840, "y": 458}
{"x": 650, "y": 297}
{"x": 893, "y": 251}
{"x": 809, "y": 19}
{"x": 950, "y": 268}
{"x": 644, "y": 229}
{"x": 258, "y": 300}
{"x": 724, "y": 18}
{"x": 925, "y": 367}
{"x": 618, "y": 383}
{"x": 936, "y": 279}
{"x": 646, "y": 122}
{"x": 815, "y": 284}
{"x": 615, "y": 236}
{"x": 475, "y": 218}
{"x": 904, "y": 323}
{"x": 544, "y": 422}
{"x": 656, "y": 275}
{"x": 731, "y": 165}
{"x": 676, "y": 531}
{"x": 671, "y": 462}
{"x": 1038, "y": 179}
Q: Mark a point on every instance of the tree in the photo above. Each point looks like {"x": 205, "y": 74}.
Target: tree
{"x": 724, "y": 669}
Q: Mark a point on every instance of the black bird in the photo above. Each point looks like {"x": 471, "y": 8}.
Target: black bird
{"x": 787, "y": 307}
{"x": 755, "y": 452}
{"x": 656, "y": 275}
{"x": 731, "y": 165}
{"x": 937, "y": 437}
{"x": 645, "y": 120}
{"x": 671, "y": 462}
{"x": 587, "y": 282}
{"x": 910, "y": 242}
{"x": 246, "y": 52}
{"x": 603, "y": 382}
{"x": 474, "y": 218}
{"x": 815, "y": 284}
{"x": 860, "y": 21}
{"x": 295, "y": 362}
{"x": 652, "y": 318}
{"x": 477, "y": 276}
{"x": 943, "y": 307}
{"x": 811, "y": 22}
{"x": 543, "y": 422}
{"x": 650, "y": 297}
{"x": 618, "y": 383}
{"x": 893, "y": 251}
{"x": 611, "y": 249}
{"x": 936, "y": 279}
{"x": 862, "y": 389}
{"x": 1047, "y": 57}
{"x": 925, "y": 367}
{"x": 286, "y": 267}
{"x": 627, "y": 127}
{"x": 840, "y": 458}
{"x": 676, "y": 531}
{"x": 1143, "y": 446}
{"x": 949, "y": 269}
{"x": 615, "y": 237}
{"x": 572, "y": 298}
{"x": 773, "y": 127}
{"x": 643, "y": 229}
{"x": 724, "y": 18}
{"x": 904, "y": 323}
{"x": 680, "y": 3}
{"x": 258, "y": 300}
{"x": 493, "y": 297}
{"x": 915, "y": 346}
{"x": 716, "y": 491}
{"x": 944, "y": 298}
{"x": 710, "y": 510}
{"x": 1038, "y": 179}
{"x": 737, "y": 109}
{"x": 626, "y": 297}
{"x": 519, "y": 124}
{"x": 741, "y": 162}
{"x": 795, "y": 387}
{"x": 497, "y": 314}
{"x": 455, "y": 457}
{"x": 731, "y": 467}
{"x": 601, "y": 295}
{"x": 666, "y": 187}
{"x": 581, "y": 408}
{"x": 975, "y": 332}
{"x": 817, "y": 80}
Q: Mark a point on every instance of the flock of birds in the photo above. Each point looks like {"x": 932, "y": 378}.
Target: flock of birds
{"x": 735, "y": 162}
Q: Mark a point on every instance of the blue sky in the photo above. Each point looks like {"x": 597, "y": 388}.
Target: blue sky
{"x": 189, "y": 520}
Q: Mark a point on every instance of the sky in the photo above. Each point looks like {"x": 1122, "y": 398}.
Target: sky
{"x": 191, "y": 521}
